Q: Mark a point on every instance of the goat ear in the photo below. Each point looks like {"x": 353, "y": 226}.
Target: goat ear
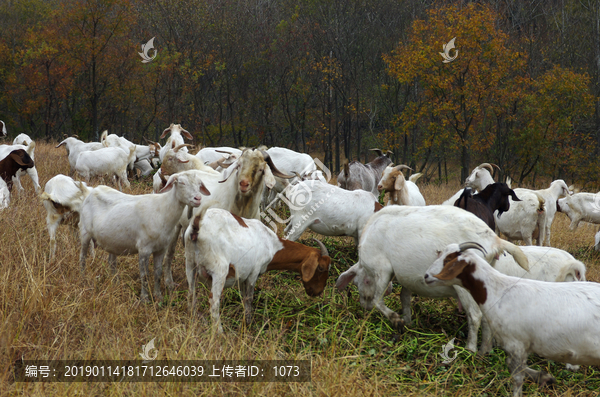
{"x": 204, "y": 190}
{"x": 18, "y": 159}
{"x": 169, "y": 185}
{"x": 269, "y": 178}
{"x": 164, "y": 134}
{"x": 451, "y": 269}
{"x": 187, "y": 135}
{"x": 399, "y": 183}
{"x": 514, "y": 195}
{"x": 344, "y": 279}
{"x": 309, "y": 266}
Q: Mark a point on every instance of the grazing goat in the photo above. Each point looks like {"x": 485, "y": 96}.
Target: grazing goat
{"x": 125, "y": 224}
{"x": 328, "y": 210}
{"x": 402, "y": 241}
{"x": 32, "y": 171}
{"x": 580, "y": 207}
{"x": 545, "y": 264}
{"x": 107, "y": 161}
{"x": 240, "y": 194}
{"x": 22, "y": 139}
{"x": 231, "y": 250}
{"x": 62, "y": 198}
{"x": 558, "y": 321}
{"x": 401, "y": 191}
{"x": 364, "y": 176}
{"x": 291, "y": 163}
{"x": 174, "y": 140}
{"x": 495, "y": 197}
{"x": 74, "y": 148}
{"x": 113, "y": 140}
{"x": 3, "y": 130}
{"x": 12, "y": 163}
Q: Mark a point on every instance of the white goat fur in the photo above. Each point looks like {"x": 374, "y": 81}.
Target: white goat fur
{"x": 175, "y": 139}
{"x": 329, "y": 210}
{"x": 558, "y": 321}
{"x": 404, "y": 192}
{"x": 125, "y": 224}
{"x": 3, "y": 130}
{"x": 581, "y": 207}
{"x": 22, "y": 139}
{"x": 222, "y": 242}
{"x": 74, "y": 147}
{"x": 213, "y": 154}
{"x": 62, "y": 198}
{"x": 111, "y": 161}
{"x": 4, "y": 195}
{"x": 402, "y": 241}
{"x": 5, "y": 150}
{"x": 597, "y": 241}
{"x": 545, "y": 264}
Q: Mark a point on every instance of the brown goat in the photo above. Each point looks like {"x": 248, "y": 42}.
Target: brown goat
{"x": 11, "y": 164}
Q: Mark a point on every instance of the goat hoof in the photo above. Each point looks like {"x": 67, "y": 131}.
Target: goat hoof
{"x": 397, "y": 322}
{"x": 546, "y": 379}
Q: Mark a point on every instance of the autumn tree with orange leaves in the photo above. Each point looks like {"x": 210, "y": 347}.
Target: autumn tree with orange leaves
{"x": 463, "y": 105}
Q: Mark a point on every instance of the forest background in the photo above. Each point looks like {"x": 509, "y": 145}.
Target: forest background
{"x": 327, "y": 77}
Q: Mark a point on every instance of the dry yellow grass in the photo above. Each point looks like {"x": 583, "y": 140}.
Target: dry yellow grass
{"x": 48, "y": 310}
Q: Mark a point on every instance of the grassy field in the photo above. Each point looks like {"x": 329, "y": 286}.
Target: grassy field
{"x": 48, "y": 310}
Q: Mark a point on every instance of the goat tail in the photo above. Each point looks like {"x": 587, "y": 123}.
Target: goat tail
{"x": 30, "y": 148}
{"x": 542, "y": 203}
{"x": 103, "y": 138}
{"x": 45, "y": 196}
{"x": 415, "y": 177}
{"x": 574, "y": 272}
{"x": 515, "y": 251}
{"x": 131, "y": 156}
{"x": 83, "y": 188}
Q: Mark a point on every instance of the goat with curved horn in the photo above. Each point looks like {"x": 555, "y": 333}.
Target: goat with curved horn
{"x": 274, "y": 169}
{"x": 324, "y": 251}
{"x": 471, "y": 244}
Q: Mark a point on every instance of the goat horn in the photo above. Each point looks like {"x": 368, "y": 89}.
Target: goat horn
{"x": 402, "y": 167}
{"x": 378, "y": 151}
{"x": 489, "y": 167}
{"x": 162, "y": 178}
{"x": 176, "y": 148}
{"x": 472, "y": 244}
{"x": 223, "y": 151}
{"x": 231, "y": 173}
{"x": 274, "y": 169}
{"x": 324, "y": 251}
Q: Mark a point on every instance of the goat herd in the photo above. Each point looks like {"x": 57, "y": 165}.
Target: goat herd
{"x": 452, "y": 250}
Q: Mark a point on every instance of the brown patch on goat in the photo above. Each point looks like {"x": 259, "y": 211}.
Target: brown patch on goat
{"x": 377, "y": 206}
{"x": 60, "y": 209}
{"x": 195, "y": 228}
{"x": 308, "y": 261}
{"x": 240, "y": 221}
{"x": 462, "y": 270}
{"x": 231, "y": 272}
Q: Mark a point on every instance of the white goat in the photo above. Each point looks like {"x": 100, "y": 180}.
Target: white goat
{"x": 74, "y": 148}
{"x": 328, "y": 210}
{"x": 231, "y": 250}
{"x": 558, "y": 321}
{"x": 402, "y": 241}
{"x": 401, "y": 191}
{"x": 22, "y": 139}
{"x": 580, "y": 207}
{"x": 536, "y": 211}
{"x": 545, "y": 264}
{"x": 124, "y": 224}
{"x": 480, "y": 177}
{"x": 5, "y": 150}
{"x": 111, "y": 161}
{"x": 176, "y": 160}
{"x": 62, "y": 198}
{"x": 4, "y": 195}
{"x": 174, "y": 140}
{"x": 214, "y": 154}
